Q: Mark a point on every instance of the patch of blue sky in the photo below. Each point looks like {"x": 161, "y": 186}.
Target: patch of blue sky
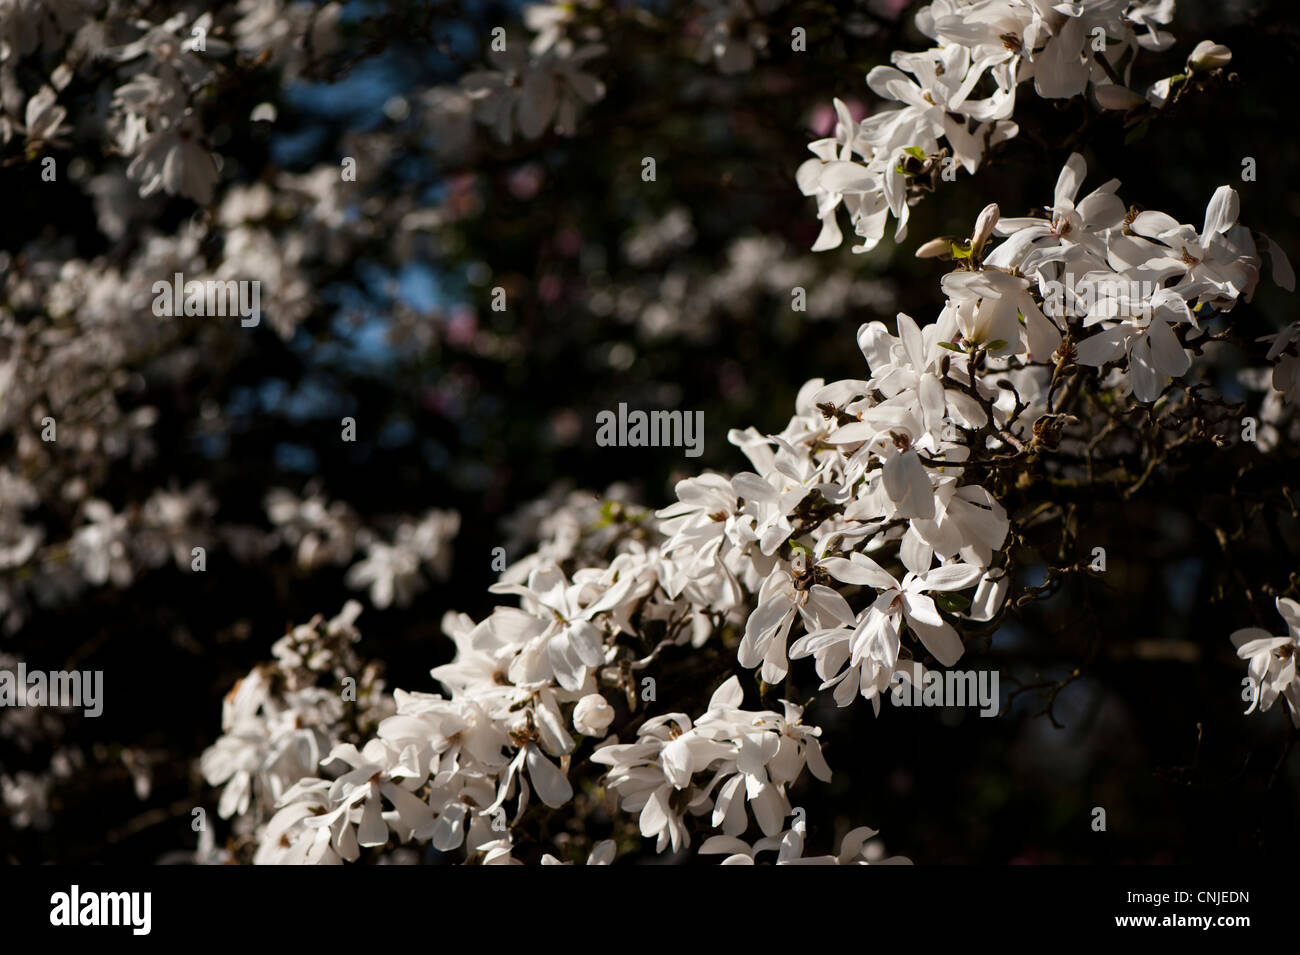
{"x": 359, "y": 329}
{"x": 420, "y": 288}
{"x": 357, "y": 97}
{"x": 315, "y": 397}
{"x": 296, "y": 457}
{"x": 300, "y": 147}
{"x": 360, "y": 326}
{"x": 360, "y": 343}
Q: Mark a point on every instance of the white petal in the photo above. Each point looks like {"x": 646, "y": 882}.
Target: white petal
{"x": 552, "y": 787}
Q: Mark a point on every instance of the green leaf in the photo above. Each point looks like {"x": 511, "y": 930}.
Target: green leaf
{"x": 608, "y": 514}
{"x": 996, "y": 344}
{"x": 952, "y": 602}
{"x": 916, "y": 151}
{"x": 952, "y": 347}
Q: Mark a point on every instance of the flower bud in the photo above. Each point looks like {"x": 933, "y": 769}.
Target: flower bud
{"x": 592, "y": 715}
{"x": 1208, "y": 56}
{"x": 935, "y": 249}
{"x": 988, "y": 218}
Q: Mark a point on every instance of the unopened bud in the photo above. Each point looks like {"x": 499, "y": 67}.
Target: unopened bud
{"x": 592, "y": 715}
{"x": 935, "y": 249}
{"x": 1209, "y": 56}
{"x": 988, "y": 218}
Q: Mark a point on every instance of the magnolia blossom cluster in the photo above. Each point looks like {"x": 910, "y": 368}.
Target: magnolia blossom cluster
{"x": 958, "y": 97}
{"x": 286, "y": 716}
{"x": 160, "y": 75}
{"x": 857, "y": 520}
{"x": 865, "y": 538}
{"x": 79, "y": 339}
{"x": 530, "y": 689}
{"x": 163, "y": 72}
{"x": 84, "y": 502}
{"x": 114, "y": 546}
{"x": 745, "y": 758}
{"x": 542, "y": 85}
{"x": 108, "y": 546}
{"x": 1129, "y": 288}
{"x": 396, "y": 565}
{"x": 78, "y": 332}
{"x": 861, "y": 539}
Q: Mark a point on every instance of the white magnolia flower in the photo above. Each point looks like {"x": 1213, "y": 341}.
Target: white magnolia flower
{"x": 174, "y": 159}
{"x": 560, "y": 641}
{"x": 787, "y": 590}
{"x": 988, "y": 307}
{"x": 1072, "y": 231}
{"x": 1272, "y": 661}
{"x": 906, "y": 600}
{"x": 548, "y": 780}
{"x": 1216, "y": 265}
{"x": 1153, "y": 351}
